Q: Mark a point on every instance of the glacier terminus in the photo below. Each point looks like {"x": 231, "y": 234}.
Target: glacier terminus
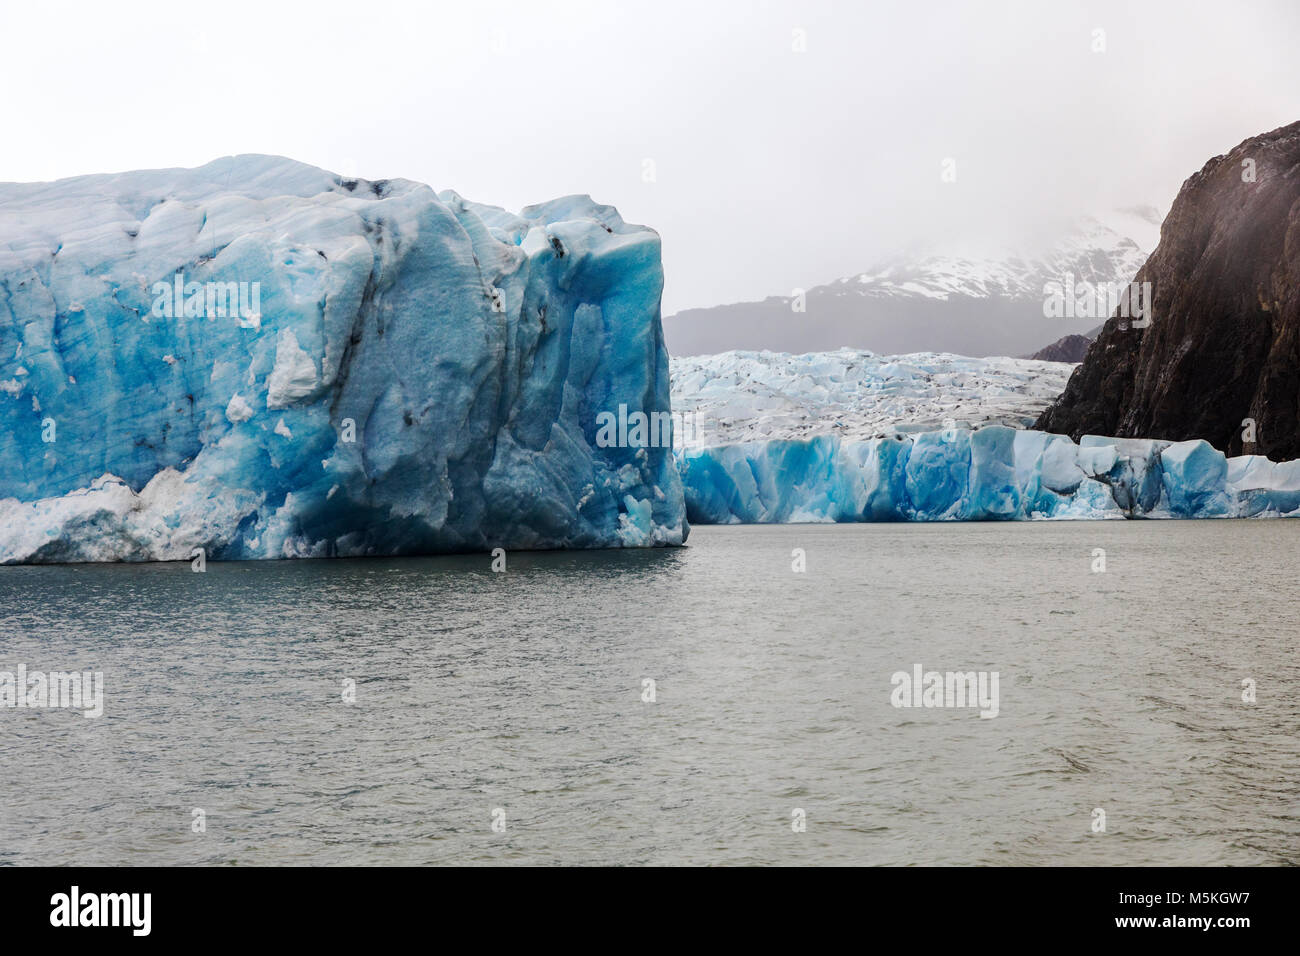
{"x": 260, "y": 359}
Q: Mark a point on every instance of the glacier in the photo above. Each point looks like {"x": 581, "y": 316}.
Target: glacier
{"x": 261, "y": 359}
{"x": 849, "y": 435}
{"x": 740, "y": 396}
{"x": 978, "y": 474}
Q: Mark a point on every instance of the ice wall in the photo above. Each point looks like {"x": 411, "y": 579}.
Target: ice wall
{"x": 401, "y": 371}
{"x": 992, "y": 473}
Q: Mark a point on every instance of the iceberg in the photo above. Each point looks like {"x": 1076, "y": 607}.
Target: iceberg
{"x": 985, "y": 474}
{"x": 260, "y": 359}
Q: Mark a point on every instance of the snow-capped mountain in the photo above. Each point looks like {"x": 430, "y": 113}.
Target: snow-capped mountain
{"x": 1093, "y": 251}
{"x": 857, "y": 395}
{"x": 941, "y": 299}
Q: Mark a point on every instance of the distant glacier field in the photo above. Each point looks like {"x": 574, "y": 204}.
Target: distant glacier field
{"x": 850, "y": 436}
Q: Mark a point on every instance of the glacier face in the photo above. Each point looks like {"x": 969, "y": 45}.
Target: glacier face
{"x": 404, "y": 372}
{"x": 991, "y": 473}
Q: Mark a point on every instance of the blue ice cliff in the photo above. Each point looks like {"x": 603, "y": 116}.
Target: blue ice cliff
{"x": 990, "y": 473}
{"x": 854, "y": 436}
{"x": 263, "y": 360}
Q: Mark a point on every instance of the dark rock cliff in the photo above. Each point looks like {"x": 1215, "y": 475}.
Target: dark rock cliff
{"x": 1223, "y": 343}
{"x": 1071, "y": 348}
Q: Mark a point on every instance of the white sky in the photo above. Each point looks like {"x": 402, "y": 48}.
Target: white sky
{"x": 774, "y": 169}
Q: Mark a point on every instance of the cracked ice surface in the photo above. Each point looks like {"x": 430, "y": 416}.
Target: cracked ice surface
{"x": 855, "y": 394}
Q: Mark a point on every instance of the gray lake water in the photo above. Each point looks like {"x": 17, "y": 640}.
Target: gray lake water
{"x": 522, "y": 692}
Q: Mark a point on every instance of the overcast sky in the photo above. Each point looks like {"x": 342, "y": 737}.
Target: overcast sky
{"x": 772, "y": 168}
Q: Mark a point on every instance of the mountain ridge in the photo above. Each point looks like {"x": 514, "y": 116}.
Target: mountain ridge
{"x": 943, "y": 299}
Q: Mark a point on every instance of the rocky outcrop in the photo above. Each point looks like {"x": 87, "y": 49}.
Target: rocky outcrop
{"x": 1071, "y": 348}
{"x": 1223, "y": 342}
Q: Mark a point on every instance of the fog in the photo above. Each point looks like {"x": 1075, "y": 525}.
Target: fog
{"x": 773, "y": 145}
